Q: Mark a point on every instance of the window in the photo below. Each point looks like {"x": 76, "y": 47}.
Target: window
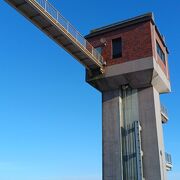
{"x": 99, "y": 50}
{"x": 116, "y": 48}
{"x": 160, "y": 52}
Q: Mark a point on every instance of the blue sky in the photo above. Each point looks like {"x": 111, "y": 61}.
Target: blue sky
{"x": 50, "y": 119}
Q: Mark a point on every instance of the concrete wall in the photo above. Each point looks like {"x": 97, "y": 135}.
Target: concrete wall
{"x": 112, "y": 162}
{"x": 118, "y": 110}
{"x": 152, "y": 135}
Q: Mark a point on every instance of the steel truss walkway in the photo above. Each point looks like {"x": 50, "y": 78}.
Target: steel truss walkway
{"x": 42, "y": 14}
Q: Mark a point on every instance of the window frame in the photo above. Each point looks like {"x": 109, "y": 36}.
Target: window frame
{"x": 160, "y": 52}
{"x": 112, "y": 48}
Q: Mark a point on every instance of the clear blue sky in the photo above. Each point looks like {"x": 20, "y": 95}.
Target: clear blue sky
{"x": 50, "y": 119}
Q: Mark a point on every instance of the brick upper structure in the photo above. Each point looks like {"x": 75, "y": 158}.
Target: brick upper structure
{"x": 139, "y": 37}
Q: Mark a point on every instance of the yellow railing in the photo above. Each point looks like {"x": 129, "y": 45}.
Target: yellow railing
{"x": 55, "y": 14}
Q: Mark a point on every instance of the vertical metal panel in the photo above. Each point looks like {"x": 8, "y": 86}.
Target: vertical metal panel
{"x": 132, "y": 159}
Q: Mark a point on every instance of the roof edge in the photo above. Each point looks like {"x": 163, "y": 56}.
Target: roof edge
{"x": 121, "y": 24}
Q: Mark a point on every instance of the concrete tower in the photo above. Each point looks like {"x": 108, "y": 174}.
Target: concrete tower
{"x": 136, "y": 73}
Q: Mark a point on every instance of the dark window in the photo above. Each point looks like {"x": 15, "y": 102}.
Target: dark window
{"x": 99, "y": 50}
{"x": 160, "y": 52}
{"x": 116, "y": 48}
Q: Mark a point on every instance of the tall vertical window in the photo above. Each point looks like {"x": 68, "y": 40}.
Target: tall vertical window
{"x": 160, "y": 52}
{"x": 116, "y": 48}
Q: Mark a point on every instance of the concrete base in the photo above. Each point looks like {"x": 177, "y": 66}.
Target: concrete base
{"x": 139, "y": 105}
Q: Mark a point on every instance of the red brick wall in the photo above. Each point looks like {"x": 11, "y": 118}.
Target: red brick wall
{"x": 136, "y": 43}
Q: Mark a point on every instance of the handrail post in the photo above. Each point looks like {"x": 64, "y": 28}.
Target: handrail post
{"x": 56, "y": 15}
{"x": 76, "y": 36}
{"x": 85, "y": 44}
{"x": 67, "y": 26}
{"x": 45, "y": 6}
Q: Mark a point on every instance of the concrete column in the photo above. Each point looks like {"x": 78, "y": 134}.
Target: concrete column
{"x": 112, "y": 163}
{"x": 152, "y": 135}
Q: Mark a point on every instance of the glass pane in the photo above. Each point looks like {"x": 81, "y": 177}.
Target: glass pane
{"x": 99, "y": 50}
{"x": 117, "y": 48}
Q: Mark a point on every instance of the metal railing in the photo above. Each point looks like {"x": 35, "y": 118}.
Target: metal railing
{"x": 55, "y": 14}
{"x": 164, "y": 110}
{"x": 168, "y": 158}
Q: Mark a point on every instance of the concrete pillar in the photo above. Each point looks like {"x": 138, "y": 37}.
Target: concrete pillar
{"x": 112, "y": 163}
{"x": 152, "y": 135}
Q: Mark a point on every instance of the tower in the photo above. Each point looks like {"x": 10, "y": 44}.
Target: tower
{"x": 136, "y": 73}
{"x": 128, "y": 63}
